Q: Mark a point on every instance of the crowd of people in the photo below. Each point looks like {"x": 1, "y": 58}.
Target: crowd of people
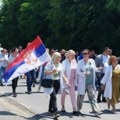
{"x": 86, "y": 70}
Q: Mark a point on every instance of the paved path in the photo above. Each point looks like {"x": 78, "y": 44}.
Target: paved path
{"x": 10, "y": 110}
{"x": 37, "y": 104}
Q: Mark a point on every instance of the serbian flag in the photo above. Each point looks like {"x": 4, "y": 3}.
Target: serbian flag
{"x": 31, "y": 57}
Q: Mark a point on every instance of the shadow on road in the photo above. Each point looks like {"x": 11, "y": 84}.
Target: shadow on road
{"x": 7, "y": 113}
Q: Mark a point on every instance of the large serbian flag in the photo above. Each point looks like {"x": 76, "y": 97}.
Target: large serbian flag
{"x": 31, "y": 57}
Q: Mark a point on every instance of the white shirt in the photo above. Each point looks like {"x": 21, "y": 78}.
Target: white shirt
{"x": 105, "y": 62}
{"x": 67, "y": 67}
{"x": 3, "y": 63}
{"x": 11, "y": 59}
{"x": 1, "y": 49}
{"x": 51, "y": 66}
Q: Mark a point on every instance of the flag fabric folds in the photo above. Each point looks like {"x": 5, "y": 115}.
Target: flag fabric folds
{"x": 31, "y": 57}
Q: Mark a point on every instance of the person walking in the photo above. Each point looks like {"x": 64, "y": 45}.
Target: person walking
{"x": 53, "y": 70}
{"x": 11, "y": 58}
{"x": 30, "y": 78}
{"x": 86, "y": 82}
{"x": 3, "y": 64}
{"x": 69, "y": 68}
{"x": 102, "y": 61}
{"x": 111, "y": 83}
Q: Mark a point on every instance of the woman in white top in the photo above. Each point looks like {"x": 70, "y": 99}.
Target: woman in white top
{"x": 86, "y": 81}
{"x": 53, "y": 70}
{"x": 69, "y": 67}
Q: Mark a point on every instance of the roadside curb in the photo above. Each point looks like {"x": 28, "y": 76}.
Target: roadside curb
{"x": 22, "y": 107}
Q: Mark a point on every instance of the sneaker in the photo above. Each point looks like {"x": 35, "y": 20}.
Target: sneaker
{"x": 75, "y": 113}
{"x": 56, "y": 115}
{"x": 97, "y": 114}
{"x": 113, "y": 111}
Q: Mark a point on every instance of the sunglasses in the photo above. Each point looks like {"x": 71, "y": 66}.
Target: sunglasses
{"x": 85, "y": 53}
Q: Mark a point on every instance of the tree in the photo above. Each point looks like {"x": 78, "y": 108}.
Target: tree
{"x": 69, "y": 24}
{"x": 9, "y": 31}
{"x": 32, "y": 19}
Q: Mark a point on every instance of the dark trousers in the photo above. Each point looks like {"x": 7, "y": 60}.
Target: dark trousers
{"x": 30, "y": 79}
{"x": 100, "y": 91}
{"x": 14, "y": 84}
{"x": 53, "y": 99}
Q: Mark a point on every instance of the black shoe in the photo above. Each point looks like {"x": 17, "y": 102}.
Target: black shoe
{"x": 1, "y": 84}
{"x": 104, "y": 100}
{"x": 63, "y": 110}
{"x": 33, "y": 84}
{"x": 50, "y": 113}
{"x": 28, "y": 92}
{"x": 81, "y": 114}
{"x": 98, "y": 100}
{"x": 75, "y": 113}
{"x": 35, "y": 81}
{"x": 14, "y": 95}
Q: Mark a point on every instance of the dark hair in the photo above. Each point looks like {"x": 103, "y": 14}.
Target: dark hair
{"x": 13, "y": 49}
{"x": 119, "y": 60}
{"x": 105, "y": 48}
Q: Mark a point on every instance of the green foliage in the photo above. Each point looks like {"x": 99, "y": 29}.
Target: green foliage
{"x": 9, "y": 32}
{"x": 69, "y": 24}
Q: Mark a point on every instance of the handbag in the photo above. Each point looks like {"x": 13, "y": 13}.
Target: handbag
{"x": 47, "y": 83}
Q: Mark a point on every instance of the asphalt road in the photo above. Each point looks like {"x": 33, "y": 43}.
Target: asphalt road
{"x": 35, "y": 105}
{"x": 10, "y": 110}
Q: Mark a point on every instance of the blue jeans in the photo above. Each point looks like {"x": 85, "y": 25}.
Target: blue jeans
{"x": 0, "y": 75}
{"x": 2, "y": 69}
{"x": 30, "y": 79}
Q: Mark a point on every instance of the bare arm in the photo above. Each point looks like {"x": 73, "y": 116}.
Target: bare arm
{"x": 48, "y": 72}
{"x": 65, "y": 79}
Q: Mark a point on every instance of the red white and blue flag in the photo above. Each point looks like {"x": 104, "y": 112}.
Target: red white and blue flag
{"x": 31, "y": 57}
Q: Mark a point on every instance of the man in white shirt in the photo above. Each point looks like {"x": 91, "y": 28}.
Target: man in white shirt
{"x": 102, "y": 61}
{"x": 3, "y": 63}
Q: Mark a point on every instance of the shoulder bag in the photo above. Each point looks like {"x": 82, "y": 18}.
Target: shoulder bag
{"x": 47, "y": 83}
